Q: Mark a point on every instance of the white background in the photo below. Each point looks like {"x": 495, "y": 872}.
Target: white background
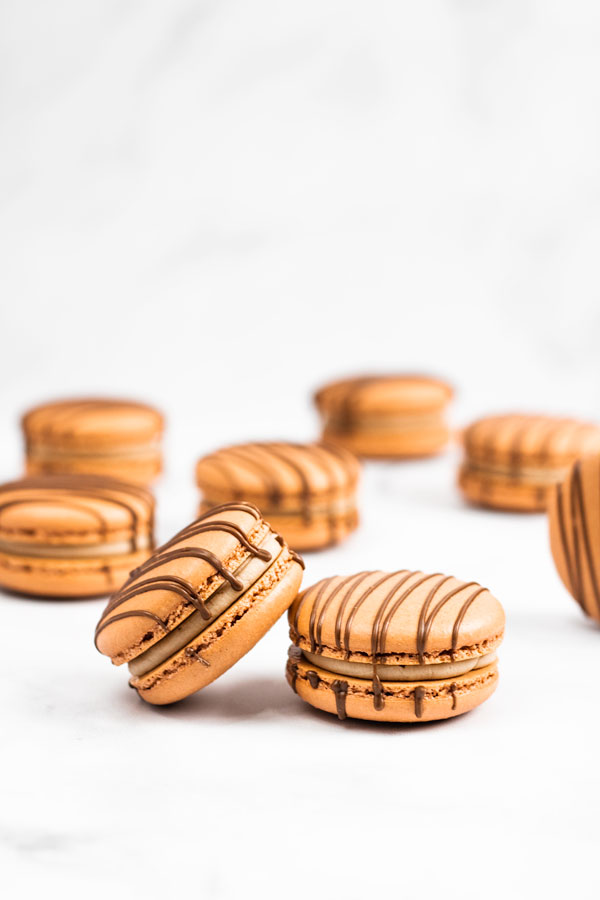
{"x": 215, "y": 206}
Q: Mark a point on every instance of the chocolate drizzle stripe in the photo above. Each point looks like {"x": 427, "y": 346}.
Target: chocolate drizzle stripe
{"x": 340, "y": 689}
{"x": 390, "y": 615}
{"x": 313, "y": 615}
{"x": 572, "y": 573}
{"x": 343, "y": 583}
{"x": 170, "y": 583}
{"x": 186, "y": 553}
{"x": 461, "y": 615}
{"x": 228, "y": 527}
{"x": 426, "y": 621}
{"x": 344, "y": 602}
{"x": 359, "y": 602}
{"x": 133, "y": 613}
{"x": 419, "y": 696}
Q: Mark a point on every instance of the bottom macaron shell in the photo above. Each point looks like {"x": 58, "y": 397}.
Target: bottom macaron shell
{"x": 66, "y": 578}
{"x": 136, "y": 471}
{"x": 225, "y": 641}
{"x": 390, "y": 444}
{"x": 422, "y": 701}
{"x": 497, "y": 492}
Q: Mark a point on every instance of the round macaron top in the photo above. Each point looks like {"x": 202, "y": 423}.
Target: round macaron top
{"x": 179, "y": 577}
{"x": 73, "y": 510}
{"x": 92, "y": 421}
{"x": 275, "y": 470}
{"x": 399, "y": 616}
{"x": 518, "y": 440}
{"x": 373, "y": 394}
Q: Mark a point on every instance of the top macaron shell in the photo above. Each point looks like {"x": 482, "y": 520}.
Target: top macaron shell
{"x": 384, "y": 394}
{"x": 418, "y": 618}
{"x": 536, "y": 440}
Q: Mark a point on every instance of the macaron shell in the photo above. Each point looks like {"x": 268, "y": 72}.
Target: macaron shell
{"x": 92, "y": 422}
{"x": 426, "y": 440}
{"x": 287, "y": 473}
{"x": 403, "y": 702}
{"x": 517, "y": 440}
{"x": 36, "y": 577}
{"x": 142, "y": 470}
{"x": 501, "y": 492}
{"x": 574, "y": 520}
{"x": 384, "y": 394}
{"x": 225, "y": 641}
{"x": 341, "y": 615}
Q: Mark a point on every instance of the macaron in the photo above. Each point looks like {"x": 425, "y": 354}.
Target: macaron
{"x": 307, "y": 491}
{"x": 395, "y": 647}
{"x": 72, "y": 535}
{"x": 118, "y": 438}
{"x": 199, "y": 603}
{"x": 386, "y": 416}
{"x": 513, "y": 461}
{"x": 574, "y": 517}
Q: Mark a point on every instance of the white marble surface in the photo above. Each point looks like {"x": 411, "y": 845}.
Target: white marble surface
{"x": 216, "y": 205}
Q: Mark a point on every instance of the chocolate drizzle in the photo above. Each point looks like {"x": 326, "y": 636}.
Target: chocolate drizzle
{"x": 294, "y": 656}
{"x": 75, "y": 492}
{"x": 170, "y": 552}
{"x": 419, "y": 696}
{"x": 348, "y": 595}
{"x": 268, "y": 462}
{"x": 340, "y": 689}
{"x": 59, "y": 418}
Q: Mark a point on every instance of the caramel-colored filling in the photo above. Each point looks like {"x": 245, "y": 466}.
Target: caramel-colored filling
{"x": 45, "y": 453}
{"x": 540, "y": 475}
{"x": 75, "y": 551}
{"x": 248, "y": 573}
{"x": 429, "y": 672}
{"x": 392, "y": 422}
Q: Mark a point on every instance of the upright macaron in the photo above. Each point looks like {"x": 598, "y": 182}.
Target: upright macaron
{"x": 395, "y": 647}
{"x": 386, "y": 416}
{"x": 118, "y": 438}
{"x": 72, "y": 535}
{"x": 307, "y": 491}
{"x": 514, "y": 461}
{"x": 199, "y": 603}
{"x": 574, "y": 515}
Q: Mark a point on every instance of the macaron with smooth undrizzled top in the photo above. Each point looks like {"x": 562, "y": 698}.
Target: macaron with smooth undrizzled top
{"x": 574, "y": 516}
{"x": 307, "y": 491}
{"x": 513, "y": 461}
{"x": 72, "y": 535}
{"x": 395, "y": 647}
{"x": 199, "y": 603}
{"x": 118, "y": 438}
{"x": 386, "y": 416}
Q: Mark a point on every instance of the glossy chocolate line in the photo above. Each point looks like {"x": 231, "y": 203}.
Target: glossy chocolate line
{"x": 131, "y": 613}
{"x": 294, "y": 655}
{"x": 59, "y": 413}
{"x": 343, "y": 583}
{"x": 340, "y": 689}
{"x": 376, "y": 631}
{"x": 453, "y": 690}
{"x": 387, "y": 621}
{"x": 313, "y": 614}
{"x": 359, "y": 602}
{"x": 461, "y": 615}
{"x": 419, "y": 696}
{"x": 342, "y": 607}
{"x": 426, "y": 621}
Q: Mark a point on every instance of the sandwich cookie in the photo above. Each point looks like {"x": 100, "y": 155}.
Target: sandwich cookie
{"x": 72, "y": 535}
{"x": 118, "y": 438}
{"x": 513, "y": 461}
{"x": 574, "y": 515}
{"x": 395, "y": 647}
{"x": 199, "y": 603}
{"x": 386, "y": 416}
{"x": 307, "y": 491}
